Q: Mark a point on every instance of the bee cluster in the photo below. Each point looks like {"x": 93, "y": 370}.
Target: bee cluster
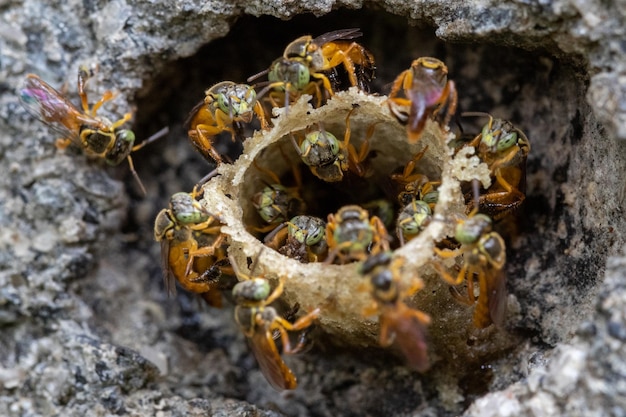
{"x": 345, "y": 200}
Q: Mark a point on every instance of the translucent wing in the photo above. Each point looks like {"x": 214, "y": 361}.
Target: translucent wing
{"x": 424, "y": 94}
{"x": 496, "y": 290}
{"x": 407, "y": 332}
{"x": 48, "y": 105}
{"x": 169, "y": 280}
{"x": 337, "y": 34}
{"x": 272, "y": 365}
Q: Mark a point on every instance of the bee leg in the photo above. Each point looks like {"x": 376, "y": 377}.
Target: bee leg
{"x": 131, "y": 166}
{"x": 448, "y": 104}
{"x": 325, "y": 82}
{"x": 62, "y": 143}
{"x": 203, "y": 144}
{"x": 447, "y": 277}
{"x": 283, "y": 325}
{"x": 108, "y": 95}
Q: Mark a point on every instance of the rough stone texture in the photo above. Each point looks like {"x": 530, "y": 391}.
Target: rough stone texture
{"x": 86, "y": 326}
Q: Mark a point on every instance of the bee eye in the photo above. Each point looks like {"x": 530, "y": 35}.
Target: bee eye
{"x": 223, "y": 103}
{"x": 315, "y": 236}
{"x": 333, "y": 143}
{"x": 507, "y": 141}
{"x": 126, "y": 135}
{"x": 410, "y": 228}
{"x": 303, "y": 76}
{"x": 250, "y": 96}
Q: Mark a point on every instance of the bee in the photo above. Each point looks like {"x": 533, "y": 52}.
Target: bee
{"x": 504, "y": 148}
{"x": 412, "y": 219}
{"x": 484, "y": 255}
{"x": 427, "y": 93}
{"x": 416, "y": 186}
{"x": 328, "y": 158}
{"x": 276, "y": 203}
{"x": 399, "y": 323}
{"x": 352, "y": 235}
{"x": 383, "y": 209}
{"x": 306, "y": 63}
{"x": 331, "y": 50}
{"x": 302, "y": 238}
{"x": 95, "y": 135}
{"x": 193, "y": 248}
{"x": 225, "y": 107}
{"x": 289, "y": 79}
{"x": 427, "y": 192}
{"x": 259, "y": 322}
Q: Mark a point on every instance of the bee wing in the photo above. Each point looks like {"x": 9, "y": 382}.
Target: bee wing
{"x": 338, "y": 34}
{"x": 48, "y": 105}
{"x": 169, "y": 280}
{"x": 496, "y": 289}
{"x": 423, "y": 95}
{"x": 410, "y": 336}
{"x": 272, "y": 365}
{"x": 192, "y": 114}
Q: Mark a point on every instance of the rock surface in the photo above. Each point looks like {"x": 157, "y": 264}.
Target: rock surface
{"x": 86, "y": 326}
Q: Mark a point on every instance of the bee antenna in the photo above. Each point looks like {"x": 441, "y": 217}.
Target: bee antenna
{"x": 207, "y": 177}
{"x": 274, "y": 232}
{"x": 268, "y": 87}
{"x": 132, "y": 170}
{"x": 257, "y": 75}
{"x": 154, "y": 137}
{"x": 295, "y": 143}
{"x": 475, "y": 114}
{"x": 255, "y": 263}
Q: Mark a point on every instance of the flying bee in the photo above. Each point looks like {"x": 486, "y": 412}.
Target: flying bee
{"x": 226, "y": 106}
{"x": 427, "y": 93}
{"x": 302, "y": 238}
{"x": 328, "y": 158}
{"x": 399, "y": 323}
{"x": 412, "y": 219}
{"x": 484, "y": 255}
{"x": 306, "y": 62}
{"x": 352, "y": 235}
{"x": 95, "y": 135}
{"x": 260, "y": 322}
{"x": 193, "y": 248}
{"x": 504, "y": 148}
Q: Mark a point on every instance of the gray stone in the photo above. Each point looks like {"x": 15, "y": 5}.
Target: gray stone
{"x": 82, "y": 307}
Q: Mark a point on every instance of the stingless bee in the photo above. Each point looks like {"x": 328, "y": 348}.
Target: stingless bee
{"x": 484, "y": 255}
{"x": 352, "y": 235}
{"x": 302, "y": 238}
{"x": 427, "y": 93}
{"x": 399, "y": 324}
{"x": 225, "y": 107}
{"x": 328, "y": 158}
{"x": 193, "y": 248}
{"x": 308, "y": 62}
{"x": 95, "y": 135}
{"x": 259, "y": 321}
{"x": 504, "y": 148}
